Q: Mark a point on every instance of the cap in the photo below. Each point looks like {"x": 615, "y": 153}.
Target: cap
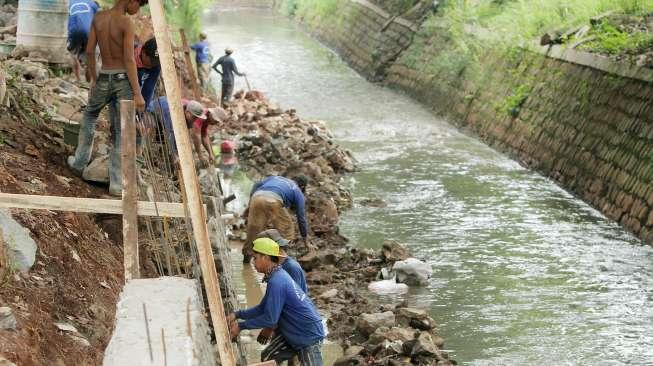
{"x": 218, "y": 113}
{"x": 228, "y": 50}
{"x": 267, "y": 246}
{"x": 275, "y": 235}
{"x": 196, "y": 109}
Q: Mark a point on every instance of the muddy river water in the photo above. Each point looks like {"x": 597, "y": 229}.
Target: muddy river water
{"x": 524, "y": 273}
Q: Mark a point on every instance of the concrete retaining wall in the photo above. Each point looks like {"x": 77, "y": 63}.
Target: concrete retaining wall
{"x": 580, "y": 119}
{"x": 175, "y": 331}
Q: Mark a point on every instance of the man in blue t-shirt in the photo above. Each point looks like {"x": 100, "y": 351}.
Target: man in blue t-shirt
{"x": 284, "y": 306}
{"x": 202, "y": 59}
{"x": 80, "y": 17}
{"x": 269, "y": 202}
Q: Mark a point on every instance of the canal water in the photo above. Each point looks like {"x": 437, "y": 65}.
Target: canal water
{"x": 524, "y": 273}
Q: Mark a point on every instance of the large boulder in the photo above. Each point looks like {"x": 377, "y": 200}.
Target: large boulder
{"x": 21, "y": 248}
{"x": 368, "y": 323}
{"x": 412, "y": 271}
{"x": 416, "y": 318}
{"x": 7, "y": 319}
{"x": 97, "y": 170}
{"x": 393, "y": 251}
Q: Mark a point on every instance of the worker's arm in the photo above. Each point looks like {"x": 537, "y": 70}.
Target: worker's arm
{"x": 271, "y": 311}
{"x": 300, "y": 211}
{"x": 130, "y": 63}
{"x": 215, "y": 65}
{"x": 207, "y": 145}
{"x": 197, "y": 143}
{"x": 238, "y": 72}
{"x": 90, "y": 54}
{"x": 149, "y": 80}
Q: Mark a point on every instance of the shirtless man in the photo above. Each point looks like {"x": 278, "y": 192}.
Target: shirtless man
{"x": 113, "y": 31}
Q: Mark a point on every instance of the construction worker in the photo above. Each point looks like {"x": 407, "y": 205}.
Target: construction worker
{"x": 288, "y": 263}
{"x": 202, "y": 55}
{"x": 113, "y": 31}
{"x": 269, "y": 202}
{"x": 228, "y": 70}
{"x": 198, "y": 119}
{"x": 284, "y": 307}
{"x": 80, "y": 17}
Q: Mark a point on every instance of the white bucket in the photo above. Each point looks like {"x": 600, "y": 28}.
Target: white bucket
{"x": 42, "y": 26}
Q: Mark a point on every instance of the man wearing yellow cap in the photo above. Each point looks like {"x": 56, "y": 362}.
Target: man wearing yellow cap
{"x": 284, "y": 306}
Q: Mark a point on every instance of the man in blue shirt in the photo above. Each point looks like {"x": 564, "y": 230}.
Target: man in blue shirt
{"x": 80, "y": 17}
{"x": 284, "y": 306}
{"x": 269, "y": 202}
{"x": 202, "y": 55}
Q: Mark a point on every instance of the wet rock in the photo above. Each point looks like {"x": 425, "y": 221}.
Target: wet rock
{"x": 22, "y": 248}
{"x": 354, "y": 350}
{"x": 7, "y": 319}
{"x": 368, "y": 323}
{"x": 412, "y": 271}
{"x": 415, "y": 318}
{"x": 393, "y": 251}
{"x": 392, "y": 334}
{"x": 373, "y": 202}
{"x": 422, "y": 346}
{"x": 353, "y": 360}
{"x": 97, "y": 170}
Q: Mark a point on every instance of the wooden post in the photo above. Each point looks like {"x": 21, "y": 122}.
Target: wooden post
{"x": 194, "y": 198}
{"x": 189, "y": 65}
{"x": 129, "y": 189}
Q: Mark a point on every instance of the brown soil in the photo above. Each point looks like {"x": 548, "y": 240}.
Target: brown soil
{"x": 58, "y": 288}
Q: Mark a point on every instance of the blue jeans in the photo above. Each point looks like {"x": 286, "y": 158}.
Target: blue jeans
{"x": 108, "y": 90}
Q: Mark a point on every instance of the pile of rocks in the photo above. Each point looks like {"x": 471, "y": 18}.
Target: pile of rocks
{"x": 276, "y": 142}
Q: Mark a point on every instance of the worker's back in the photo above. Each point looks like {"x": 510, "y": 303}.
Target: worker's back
{"x": 283, "y": 187}
{"x": 109, "y": 28}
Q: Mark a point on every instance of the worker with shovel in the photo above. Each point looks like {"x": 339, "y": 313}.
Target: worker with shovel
{"x": 228, "y": 70}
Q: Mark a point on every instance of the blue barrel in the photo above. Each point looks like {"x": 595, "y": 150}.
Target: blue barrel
{"x": 42, "y": 26}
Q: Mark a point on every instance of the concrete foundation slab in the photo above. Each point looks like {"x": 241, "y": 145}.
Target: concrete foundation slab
{"x": 176, "y": 331}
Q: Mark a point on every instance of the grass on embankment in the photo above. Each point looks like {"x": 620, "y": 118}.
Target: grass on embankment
{"x": 472, "y": 27}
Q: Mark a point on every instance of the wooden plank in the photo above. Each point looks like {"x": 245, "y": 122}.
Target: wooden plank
{"x": 129, "y": 189}
{"x": 88, "y": 205}
{"x": 189, "y": 65}
{"x": 190, "y": 182}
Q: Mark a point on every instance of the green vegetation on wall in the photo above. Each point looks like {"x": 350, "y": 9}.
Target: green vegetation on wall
{"x": 314, "y": 12}
{"x": 186, "y": 14}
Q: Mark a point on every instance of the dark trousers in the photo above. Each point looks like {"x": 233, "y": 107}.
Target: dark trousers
{"x": 279, "y": 350}
{"x": 227, "y": 90}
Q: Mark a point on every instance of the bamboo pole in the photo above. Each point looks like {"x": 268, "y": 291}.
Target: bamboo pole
{"x": 129, "y": 189}
{"x": 189, "y": 65}
{"x": 194, "y": 198}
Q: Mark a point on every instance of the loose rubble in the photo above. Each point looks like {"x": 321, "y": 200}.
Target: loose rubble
{"x": 272, "y": 141}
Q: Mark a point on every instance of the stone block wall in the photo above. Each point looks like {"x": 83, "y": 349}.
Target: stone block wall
{"x": 367, "y": 37}
{"x": 578, "y": 119}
